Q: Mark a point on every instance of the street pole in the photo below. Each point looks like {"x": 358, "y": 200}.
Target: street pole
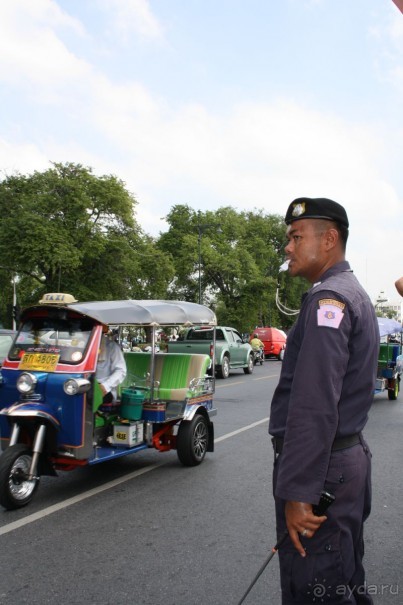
{"x": 199, "y": 242}
{"x": 14, "y": 303}
{"x": 15, "y": 278}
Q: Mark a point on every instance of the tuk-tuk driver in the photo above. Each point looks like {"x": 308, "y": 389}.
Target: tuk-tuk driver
{"x": 111, "y": 367}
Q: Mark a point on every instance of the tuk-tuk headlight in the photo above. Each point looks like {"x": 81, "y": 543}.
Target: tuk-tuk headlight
{"x": 26, "y": 383}
{"x": 73, "y": 386}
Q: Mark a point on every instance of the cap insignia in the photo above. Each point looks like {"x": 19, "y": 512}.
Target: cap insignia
{"x": 298, "y": 209}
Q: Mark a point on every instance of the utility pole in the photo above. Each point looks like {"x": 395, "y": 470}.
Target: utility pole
{"x": 14, "y": 302}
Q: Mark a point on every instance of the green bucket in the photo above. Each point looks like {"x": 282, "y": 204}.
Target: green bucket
{"x": 132, "y": 404}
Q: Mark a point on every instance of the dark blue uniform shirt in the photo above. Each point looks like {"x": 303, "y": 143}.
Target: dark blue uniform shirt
{"x": 327, "y": 380}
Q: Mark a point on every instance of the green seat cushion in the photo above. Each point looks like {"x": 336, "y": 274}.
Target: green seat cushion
{"x": 138, "y": 365}
{"x": 175, "y": 371}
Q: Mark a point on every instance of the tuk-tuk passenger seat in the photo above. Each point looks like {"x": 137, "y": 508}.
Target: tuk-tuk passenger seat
{"x": 173, "y": 372}
{"x": 138, "y": 366}
{"x": 177, "y": 372}
{"x": 388, "y": 354}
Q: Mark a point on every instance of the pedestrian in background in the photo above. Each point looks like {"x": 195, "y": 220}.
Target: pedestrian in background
{"x": 318, "y": 411}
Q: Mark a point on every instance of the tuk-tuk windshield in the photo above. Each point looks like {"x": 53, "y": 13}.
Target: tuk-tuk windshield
{"x": 66, "y": 337}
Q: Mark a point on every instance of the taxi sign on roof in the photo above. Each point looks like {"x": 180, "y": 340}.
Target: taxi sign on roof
{"x": 57, "y": 298}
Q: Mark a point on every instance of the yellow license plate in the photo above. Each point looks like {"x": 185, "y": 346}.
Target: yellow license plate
{"x": 46, "y": 362}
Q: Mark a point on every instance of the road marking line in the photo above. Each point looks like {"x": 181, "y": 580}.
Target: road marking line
{"x": 75, "y": 499}
{"x": 230, "y": 384}
{"x": 244, "y": 428}
{"x": 102, "y": 488}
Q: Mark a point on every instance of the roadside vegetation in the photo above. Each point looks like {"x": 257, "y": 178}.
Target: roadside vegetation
{"x": 67, "y": 230}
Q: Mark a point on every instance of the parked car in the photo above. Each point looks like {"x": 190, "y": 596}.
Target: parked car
{"x": 231, "y": 351}
{"x": 273, "y": 339}
{"x": 6, "y": 339}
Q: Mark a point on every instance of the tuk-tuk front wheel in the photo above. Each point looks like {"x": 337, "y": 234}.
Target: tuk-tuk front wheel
{"x": 192, "y": 440}
{"x": 16, "y": 490}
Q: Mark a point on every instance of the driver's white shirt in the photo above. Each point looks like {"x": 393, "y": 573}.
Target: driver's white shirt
{"x": 111, "y": 366}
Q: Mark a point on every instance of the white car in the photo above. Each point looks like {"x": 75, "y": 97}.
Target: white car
{"x": 6, "y": 340}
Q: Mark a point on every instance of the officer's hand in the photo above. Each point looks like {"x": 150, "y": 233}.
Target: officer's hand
{"x": 301, "y": 520}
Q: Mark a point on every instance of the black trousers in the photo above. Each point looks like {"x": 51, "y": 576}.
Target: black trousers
{"x": 332, "y": 572}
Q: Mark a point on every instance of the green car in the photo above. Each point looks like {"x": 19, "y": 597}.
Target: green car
{"x": 231, "y": 351}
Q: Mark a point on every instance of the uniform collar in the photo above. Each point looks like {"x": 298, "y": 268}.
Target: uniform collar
{"x": 341, "y": 267}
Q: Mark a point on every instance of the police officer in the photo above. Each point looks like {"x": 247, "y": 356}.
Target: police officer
{"x": 318, "y": 411}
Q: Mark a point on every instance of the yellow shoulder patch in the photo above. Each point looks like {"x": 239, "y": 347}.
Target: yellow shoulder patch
{"x": 333, "y": 302}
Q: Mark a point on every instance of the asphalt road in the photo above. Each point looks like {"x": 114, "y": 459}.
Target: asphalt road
{"x": 143, "y": 530}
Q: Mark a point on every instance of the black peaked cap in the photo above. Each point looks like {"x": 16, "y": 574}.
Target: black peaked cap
{"x": 320, "y": 207}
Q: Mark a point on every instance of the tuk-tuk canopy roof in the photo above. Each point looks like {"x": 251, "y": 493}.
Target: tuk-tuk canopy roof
{"x": 146, "y": 312}
{"x": 389, "y": 326}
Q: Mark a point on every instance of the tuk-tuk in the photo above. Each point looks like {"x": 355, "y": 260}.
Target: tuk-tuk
{"x": 390, "y": 359}
{"x": 52, "y": 412}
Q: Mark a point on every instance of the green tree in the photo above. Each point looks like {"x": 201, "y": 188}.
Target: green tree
{"x": 240, "y": 254}
{"x": 78, "y": 232}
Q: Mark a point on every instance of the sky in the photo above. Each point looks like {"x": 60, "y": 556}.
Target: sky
{"x": 212, "y": 103}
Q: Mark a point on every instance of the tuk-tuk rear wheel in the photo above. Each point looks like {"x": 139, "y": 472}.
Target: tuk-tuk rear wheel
{"x": 15, "y": 489}
{"x": 192, "y": 440}
{"x": 394, "y": 392}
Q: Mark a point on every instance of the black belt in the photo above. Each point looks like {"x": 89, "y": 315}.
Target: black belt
{"x": 341, "y": 443}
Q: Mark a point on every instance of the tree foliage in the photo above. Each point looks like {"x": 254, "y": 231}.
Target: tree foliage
{"x": 238, "y": 254}
{"x": 77, "y": 232}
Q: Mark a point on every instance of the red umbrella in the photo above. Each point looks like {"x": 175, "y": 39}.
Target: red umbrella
{"x": 399, "y": 4}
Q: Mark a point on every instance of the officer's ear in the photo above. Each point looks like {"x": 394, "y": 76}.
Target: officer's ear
{"x": 331, "y": 238}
